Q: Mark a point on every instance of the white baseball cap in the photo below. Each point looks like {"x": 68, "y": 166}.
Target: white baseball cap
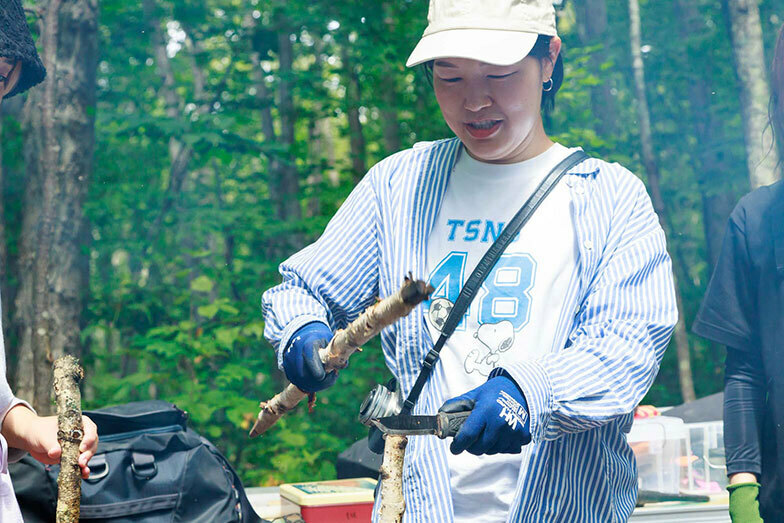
{"x": 499, "y": 32}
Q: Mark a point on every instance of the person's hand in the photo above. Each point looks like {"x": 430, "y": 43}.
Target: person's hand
{"x": 744, "y": 505}
{"x": 645, "y": 411}
{"x": 301, "y": 361}
{"x": 498, "y": 422}
{"x": 24, "y": 429}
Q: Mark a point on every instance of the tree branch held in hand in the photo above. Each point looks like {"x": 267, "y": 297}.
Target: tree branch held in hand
{"x": 67, "y": 375}
{"x": 345, "y": 342}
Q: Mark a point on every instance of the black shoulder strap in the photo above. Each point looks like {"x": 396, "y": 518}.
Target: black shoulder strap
{"x": 483, "y": 269}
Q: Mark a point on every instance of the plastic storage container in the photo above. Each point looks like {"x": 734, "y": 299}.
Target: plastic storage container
{"x": 660, "y": 445}
{"x": 706, "y": 472}
{"x": 333, "y": 501}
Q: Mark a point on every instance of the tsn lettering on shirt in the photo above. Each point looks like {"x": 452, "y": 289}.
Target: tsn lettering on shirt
{"x": 485, "y": 231}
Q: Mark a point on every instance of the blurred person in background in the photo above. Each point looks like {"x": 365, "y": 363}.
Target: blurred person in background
{"x": 21, "y": 429}
{"x": 743, "y": 309}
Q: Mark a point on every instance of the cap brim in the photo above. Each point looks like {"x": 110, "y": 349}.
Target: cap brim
{"x": 490, "y": 46}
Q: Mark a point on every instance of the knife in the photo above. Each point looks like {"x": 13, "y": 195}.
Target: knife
{"x": 443, "y": 424}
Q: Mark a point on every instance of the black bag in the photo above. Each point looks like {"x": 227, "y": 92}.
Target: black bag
{"x": 149, "y": 467}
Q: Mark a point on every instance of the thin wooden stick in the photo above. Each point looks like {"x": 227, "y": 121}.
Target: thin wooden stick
{"x": 67, "y": 375}
{"x": 392, "y": 503}
{"x": 345, "y": 342}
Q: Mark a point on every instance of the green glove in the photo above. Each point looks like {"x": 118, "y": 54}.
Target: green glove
{"x": 744, "y": 507}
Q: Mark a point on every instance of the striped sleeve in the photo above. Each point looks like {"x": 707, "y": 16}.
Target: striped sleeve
{"x": 332, "y": 280}
{"x": 621, "y": 331}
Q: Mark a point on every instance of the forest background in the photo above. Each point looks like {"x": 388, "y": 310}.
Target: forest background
{"x": 180, "y": 150}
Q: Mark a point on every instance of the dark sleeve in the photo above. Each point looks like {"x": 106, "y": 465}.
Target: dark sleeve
{"x": 744, "y": 402}
{"x": 729, "y": 308}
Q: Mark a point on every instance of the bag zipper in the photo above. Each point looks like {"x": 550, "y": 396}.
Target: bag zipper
{"x": 153, "y": 430}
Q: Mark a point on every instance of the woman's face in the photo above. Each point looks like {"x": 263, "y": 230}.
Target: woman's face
{"x": 9, "y": 75}
{"x": 494, "y": 110}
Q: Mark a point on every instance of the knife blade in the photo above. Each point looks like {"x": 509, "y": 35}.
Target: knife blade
{"x": 443, "y": 424}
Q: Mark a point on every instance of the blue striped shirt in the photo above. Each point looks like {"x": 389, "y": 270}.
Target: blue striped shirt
{"x": 580, "y": 397}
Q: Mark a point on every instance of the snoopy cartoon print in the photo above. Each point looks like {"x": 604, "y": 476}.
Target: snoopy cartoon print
{"x": 493, "y": 338}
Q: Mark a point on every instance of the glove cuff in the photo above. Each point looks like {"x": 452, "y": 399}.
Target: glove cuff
{"x": 500, "y": 372}
{"x": 313, "y": 328}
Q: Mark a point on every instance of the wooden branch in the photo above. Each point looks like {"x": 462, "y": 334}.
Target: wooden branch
{"x": 67, "y": 375}
{"x": 392, "y": 503}
{"x": 345, "y": 342}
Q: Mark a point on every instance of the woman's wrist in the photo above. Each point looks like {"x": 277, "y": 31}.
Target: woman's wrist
{"x": 743, "y": 477}
{"x": 16, "y": 426}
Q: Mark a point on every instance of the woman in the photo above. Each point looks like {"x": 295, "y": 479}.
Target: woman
{"x": 22, "y": 429}
{"x": 569, "y": 328}
{"x": 744, "y": 310}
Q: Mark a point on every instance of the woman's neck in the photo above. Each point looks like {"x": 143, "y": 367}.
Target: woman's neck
{"x": 532, "y": 146}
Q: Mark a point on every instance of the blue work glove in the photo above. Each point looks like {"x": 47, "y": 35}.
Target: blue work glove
{"x": 499, "y": 422}
{"x": 301, "y": 361}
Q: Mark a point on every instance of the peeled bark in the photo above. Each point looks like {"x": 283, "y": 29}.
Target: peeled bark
{"x": 345, "y": 342}
{"x": 652, "y": 170}
{"x": 393, "y": 505}
{"x": 748, "y": 51}
{"x": 59, "y": 143}
{"x": 70, "y": 432}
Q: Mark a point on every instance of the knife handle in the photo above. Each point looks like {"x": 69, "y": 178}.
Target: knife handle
{"x": 449, "y": 423}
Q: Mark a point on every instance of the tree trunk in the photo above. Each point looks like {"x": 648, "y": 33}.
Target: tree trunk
{"x": 652, "y": 170}
{"x": 283, "y": 174}
{"x": 179, "y": 153}
{"x": 288, "y": 180}
{"x": 265, "y": 101}
{"x": 59, "y": 143}
{"x": 391, "y": 125}
{"x": 3, "y": 243}
{"x": 592, "y": 28}
{"x": 747, "y": 50}
{"x": 9, "y": 109}
{"x": 717, "y": 199}
{"x": 356, "y": 136}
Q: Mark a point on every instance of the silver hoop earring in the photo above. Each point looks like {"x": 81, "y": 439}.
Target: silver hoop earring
{"x": 547, "y": 86}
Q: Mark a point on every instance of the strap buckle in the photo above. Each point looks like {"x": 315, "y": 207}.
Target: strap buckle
{"x": 143, "y": 465}
{"x": 430, "y": 359}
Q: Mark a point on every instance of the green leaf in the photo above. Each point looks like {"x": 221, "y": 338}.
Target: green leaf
{"x": 202, "y": 284}
{"x": 226, "y": 336}
{"x": 225, "y": 307}
{"x": 208, "y": 311}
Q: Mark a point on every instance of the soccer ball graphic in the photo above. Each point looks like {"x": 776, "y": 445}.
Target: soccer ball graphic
{"x": 439, "y": 311}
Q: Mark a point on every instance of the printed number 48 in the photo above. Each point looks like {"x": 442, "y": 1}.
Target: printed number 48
{"x": 505, "y": 293}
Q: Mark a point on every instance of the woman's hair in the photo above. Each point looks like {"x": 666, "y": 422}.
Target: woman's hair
{"x": 776, "y": 108}
{"x": 540, "y": 50}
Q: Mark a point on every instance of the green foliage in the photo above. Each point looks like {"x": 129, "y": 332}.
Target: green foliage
{"x": 174, "y": 308}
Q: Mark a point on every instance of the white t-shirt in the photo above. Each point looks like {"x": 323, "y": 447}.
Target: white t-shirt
{"x": 514, "y": 316}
